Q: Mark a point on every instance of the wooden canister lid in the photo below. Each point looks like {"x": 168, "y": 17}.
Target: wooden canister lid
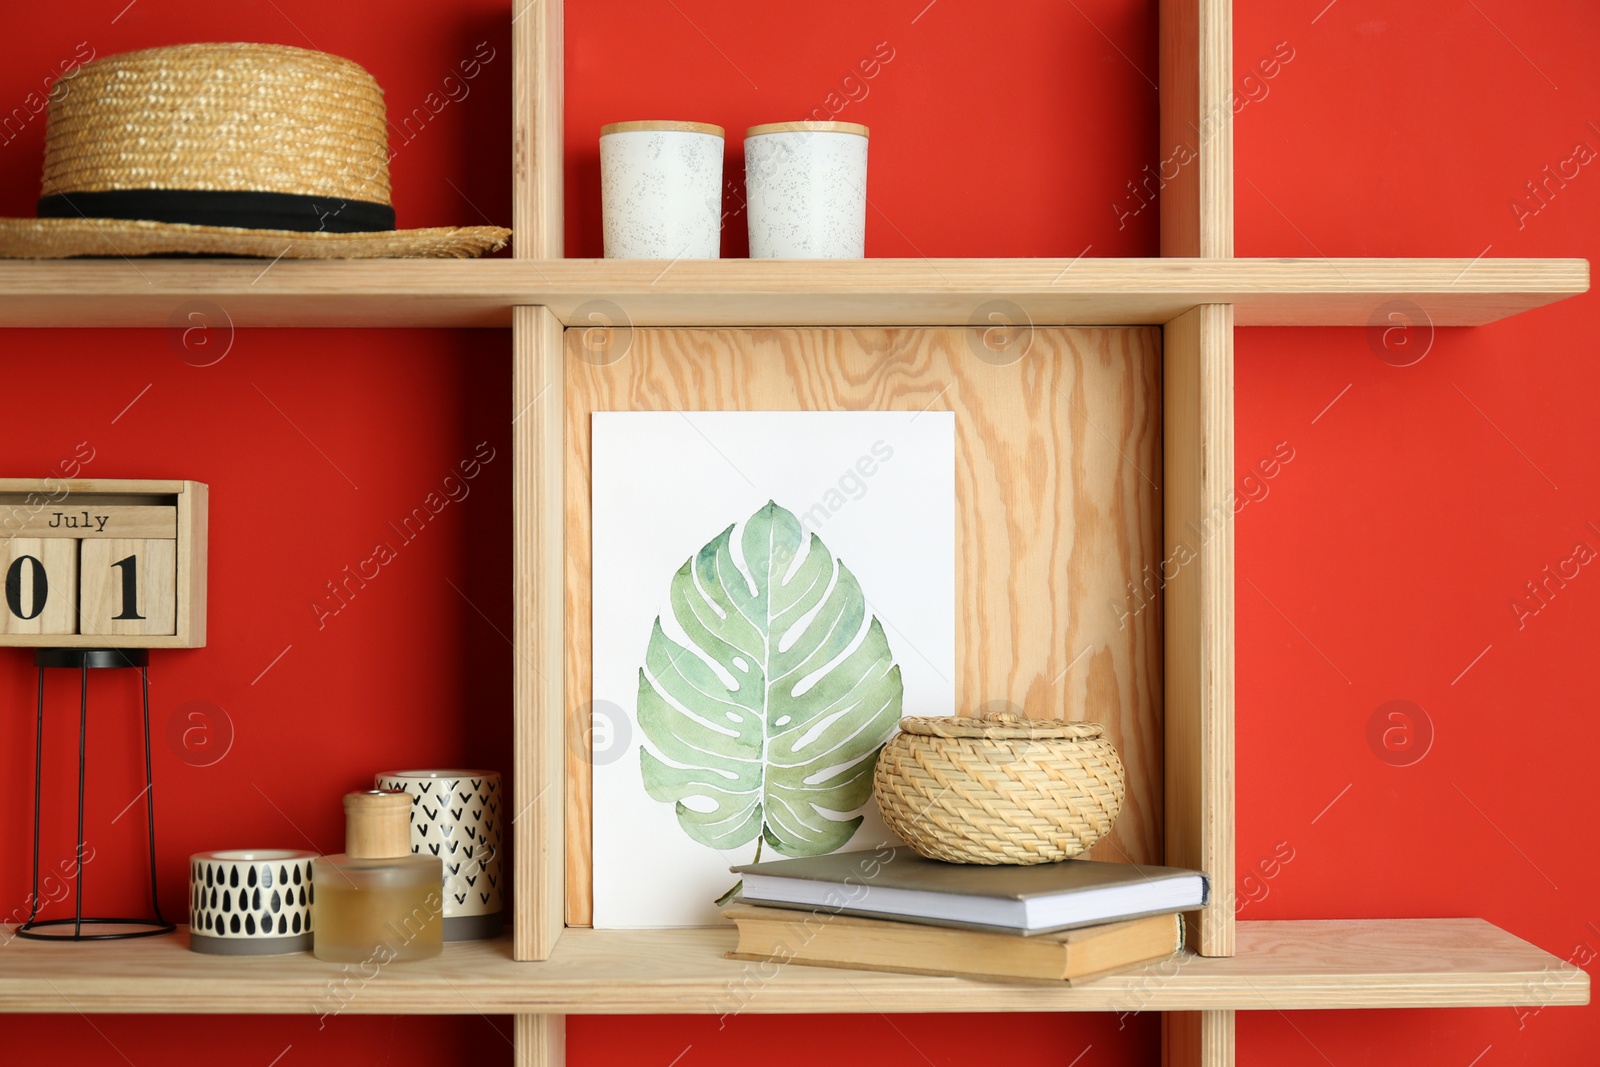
{"x": 669, "y": 125}
{"x": 807, "y": 127}
{"x": 377, "y": 824}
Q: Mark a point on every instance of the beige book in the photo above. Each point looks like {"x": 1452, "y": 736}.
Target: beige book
{"x": 822, "y": 939}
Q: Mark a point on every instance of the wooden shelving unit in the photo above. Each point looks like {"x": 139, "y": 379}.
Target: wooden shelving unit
{"x": 1312, "y": 964}
{"x": 1197, "y": 293}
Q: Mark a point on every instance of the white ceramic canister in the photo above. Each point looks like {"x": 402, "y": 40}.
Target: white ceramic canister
{"x": 250, "y": 902}
{"x": 455, "y": 815}
{"x": 661, "y": 190}
{"x": 806, "y": 184}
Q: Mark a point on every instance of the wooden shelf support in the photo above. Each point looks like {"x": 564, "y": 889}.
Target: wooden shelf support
{"x": 538, "y": 224}
{"x": 1195, "y": 575}
{"x": 1197, "y": 1039}
{"x": 541, "y": 1040}
{"x": 1196, "y": 168}
{"x": 539, "y": 630}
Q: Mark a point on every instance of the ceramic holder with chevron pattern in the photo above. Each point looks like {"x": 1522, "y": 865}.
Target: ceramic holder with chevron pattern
{"x": 455, "y": 815}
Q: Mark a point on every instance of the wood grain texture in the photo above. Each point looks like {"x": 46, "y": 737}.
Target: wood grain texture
{"x": 46, "y": 588}
{"x": 1057, "y": 512}
{"x": 541, "y": 1041}
{"x": 116, "y": 520}
{"x": 194, "y": 561}
{"x": 539, "y": 631}
{"x": 96, "y": 641}
{"x": 538, "y": 224}
{"x": 1196, "y": 576}
{"x": 1196, "y": 45}
{"x": 103, "y": 588}
{"x": 1287, "y": 965}
{"x": 15, "y": 492}
{"x": 1197, "y": 1039}
{"x": 865, "y": 292}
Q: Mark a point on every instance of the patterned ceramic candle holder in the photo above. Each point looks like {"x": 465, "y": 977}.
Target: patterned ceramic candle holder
{"x": 661, "y": 190}
{"x": 807, "y": 189}
{"x": 455, "y": 815}
{"x": 250, "y": 902}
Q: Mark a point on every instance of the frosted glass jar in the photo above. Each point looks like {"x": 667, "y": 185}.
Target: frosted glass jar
{"x": 661, "y": 190}
{"x": 376, "y": 902}
{"x": 806, "y": 184}
{"x": 376, "y": 910}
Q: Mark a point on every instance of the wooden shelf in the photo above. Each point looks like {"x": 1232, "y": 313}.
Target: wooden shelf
{"x": 1301, "y": 964}
{"x": 872, "y": 292}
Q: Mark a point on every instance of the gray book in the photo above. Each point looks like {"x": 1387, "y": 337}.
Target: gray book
{"x": 1044, "y": 898}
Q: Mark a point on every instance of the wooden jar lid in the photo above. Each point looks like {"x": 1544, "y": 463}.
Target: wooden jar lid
{"x": 377, "y": 824}
{"x": 669, "y": 125}
{"x": 807, "y": 127}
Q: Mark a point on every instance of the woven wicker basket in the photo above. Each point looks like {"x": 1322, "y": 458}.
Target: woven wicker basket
{"x": 1000, "y": 789}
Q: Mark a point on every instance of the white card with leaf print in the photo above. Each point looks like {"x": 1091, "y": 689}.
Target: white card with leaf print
{"x": 772, "y": 592}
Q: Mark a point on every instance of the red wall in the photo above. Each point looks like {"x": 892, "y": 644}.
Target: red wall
{"x": 1389, "y": 554}
{"x": 1375, "y": 566}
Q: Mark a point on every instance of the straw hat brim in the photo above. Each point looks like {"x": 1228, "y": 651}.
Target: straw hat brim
{"x": 65, "y": 238}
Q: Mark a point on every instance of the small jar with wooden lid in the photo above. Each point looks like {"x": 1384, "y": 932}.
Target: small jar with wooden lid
{"x": 377, "y": 902}
{"x": 806, "y": 185}
{"x": 661, "y": 189}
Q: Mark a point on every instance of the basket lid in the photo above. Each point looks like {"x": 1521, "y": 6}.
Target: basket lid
{"x": 1000, "y": 727}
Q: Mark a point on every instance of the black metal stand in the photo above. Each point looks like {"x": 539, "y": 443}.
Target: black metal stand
{"x": 83, "y": 660}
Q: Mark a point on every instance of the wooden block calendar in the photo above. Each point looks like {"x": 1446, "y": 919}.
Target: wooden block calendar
{"x": 102, "y": 563}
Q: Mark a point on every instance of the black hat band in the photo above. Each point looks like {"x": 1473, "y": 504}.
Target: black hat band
{"x": 212, "y": 207}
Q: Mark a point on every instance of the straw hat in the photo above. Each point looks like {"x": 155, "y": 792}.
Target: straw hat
{"x": 223, "y": 149}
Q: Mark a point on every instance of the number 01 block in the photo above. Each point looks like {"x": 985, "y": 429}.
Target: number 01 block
{"x": 41, "y": 585}
{"x": 128, "y": 586}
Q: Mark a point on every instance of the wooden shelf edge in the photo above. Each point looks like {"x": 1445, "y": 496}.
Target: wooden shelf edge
{"x": 871, "y": 292}
{"x": 1286, "y": 965}
{"x": 97, "y": 641}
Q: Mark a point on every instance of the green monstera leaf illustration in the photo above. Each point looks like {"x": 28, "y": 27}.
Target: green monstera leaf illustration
{"x": 767, "y": 725}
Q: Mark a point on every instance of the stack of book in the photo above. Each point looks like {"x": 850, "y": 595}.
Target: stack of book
{"x": 893, "y": 910}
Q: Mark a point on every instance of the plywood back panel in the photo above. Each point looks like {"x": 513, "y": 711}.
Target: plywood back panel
{"x": 1058, "y": 468}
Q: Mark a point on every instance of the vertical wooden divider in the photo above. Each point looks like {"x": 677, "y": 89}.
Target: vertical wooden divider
{"x": 1196, "y": 128}
{"x": 1196, "y": 149}
{"x": 1195, "y": 1038}
{"x": 538, "y": 222}
{"x": 539, "y": 629}
{"x": 541, "y": 1040}
{"x": 538, "y": 401}
{"x": 1197, "y": 575}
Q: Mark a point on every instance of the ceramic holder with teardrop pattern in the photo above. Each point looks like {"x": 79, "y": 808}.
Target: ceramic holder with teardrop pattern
{"x": 250, "y": 902}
